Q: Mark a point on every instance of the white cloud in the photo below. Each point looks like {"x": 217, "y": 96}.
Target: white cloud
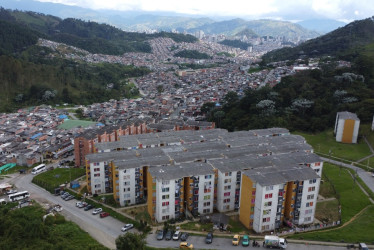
{"x": 334, "y": 9}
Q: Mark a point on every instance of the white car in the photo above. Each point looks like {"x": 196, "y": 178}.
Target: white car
{"x": 11, "y": 191}
{"x": 78, "y": 204}
{"x": 176, "y": 235}
{"x": 127, "y": 227}
{"x": 97, "y": 211}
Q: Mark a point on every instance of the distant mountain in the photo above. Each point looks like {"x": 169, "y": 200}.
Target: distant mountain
{"x": 90, "y": 36}
{"x": 259, "y": 27}
{"x": 247, "y": 32}
{"x": 126, "y": 20}
{"x": 321, "y": 25}
{"x": 345, "y": 41}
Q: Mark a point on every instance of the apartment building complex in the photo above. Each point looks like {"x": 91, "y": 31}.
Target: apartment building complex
{"x": 268, "y": 175}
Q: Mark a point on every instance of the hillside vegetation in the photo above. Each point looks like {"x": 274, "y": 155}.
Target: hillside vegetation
{"x": 236, "y": 44}
{"x": 91, "y": 36}
{"x": 344, "y": 42}
{"x": 24, "y": 229}
{"x": 307, "y": 101}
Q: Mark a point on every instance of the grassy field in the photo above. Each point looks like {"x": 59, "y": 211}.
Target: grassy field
{"x": 14, "y": 170}
{"x": 324, "y": 142}
{"x": 53, "y": 178}
{"x": 69, "y": 124}
{"x": 24, "y": 229}
{"x": 352, "y": 199}
{"x": 360, "y": 230}
{"x": 236, "y": 226}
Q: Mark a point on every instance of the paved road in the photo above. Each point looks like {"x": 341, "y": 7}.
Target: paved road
{"x": 104, "y": 230}
{"x": 224, "y": 243}
{"x": 364, "y": 175}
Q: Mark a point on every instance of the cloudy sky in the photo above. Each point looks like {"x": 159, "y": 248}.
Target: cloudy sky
{"x": 282, "y": 9}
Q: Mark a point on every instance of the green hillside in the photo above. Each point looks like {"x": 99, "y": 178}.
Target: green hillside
{"x": 345, "y": 42}
{"x": 90, "y": 36}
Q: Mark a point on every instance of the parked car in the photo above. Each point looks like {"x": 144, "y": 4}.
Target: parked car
{"x": 64, "y": 195}
{"x": 209, "y": 238}
{"x": 78, "y": 203}
{"x": 82, "y": 204}
{"x": 236, "y": 240}
{"x": 104, "y": 214}
{"x": 176, "y": 235}
{"x": 69, "y": 197}
{"x": 160, "y": 234}
{"x": 184, "y": 236}
{"x": 245, "y": 241}
{"x": 169, "y": 235}
{"x": 88, "y": 207}
{"x": 127, "y": 227}
{"x": 362, "y": 246}
{"x": 185, "y": 245}
{"x": 97, "y": 211}
{"x": 11, "y": 191}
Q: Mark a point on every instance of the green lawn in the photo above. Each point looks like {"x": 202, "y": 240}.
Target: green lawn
{"x": 69, "y": 124}
{"x": 352, "y": 199}
{"x": 325, "y": 141}
{"x": 326, "y": 189}
{"x": 53, "y": 178}
{"x": 360, "y": 230}
{"x": 236, "y": 226}
{"x": 13, "y": 170}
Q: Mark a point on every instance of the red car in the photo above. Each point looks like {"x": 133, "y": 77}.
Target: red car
{"x": 104, "y": 214}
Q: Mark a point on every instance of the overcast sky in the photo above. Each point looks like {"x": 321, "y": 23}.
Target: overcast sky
{"x": 347, "y": 10}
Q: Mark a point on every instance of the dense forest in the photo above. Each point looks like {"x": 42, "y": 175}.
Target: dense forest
{"x": 193, "y": 54}
{"x": 236, "y": 44}
{"x": 32, "y": 79}
{"x": 306, "y": 101}
{"x": 24, "y": 228}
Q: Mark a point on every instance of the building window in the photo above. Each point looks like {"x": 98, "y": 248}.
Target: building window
{"x": 207, "y": 204}
{"x": 206, "y": 211}
{"x": 207, "y": 190}
{"x": 97, "y": 175}
{"x": 228, "y": 174}
{"x": 228, "y": 187}
{"x": 267, "y": 211}
{"x": 311, "y": 189}
{"x": 226, "y": 200}
{"x": 227, "y": 181}
{"x": 97, "y": 185}
{"x": 165, "y": 217}
{"x": 208, "y": 176}
{"x": 310, "y": 197}
{"x": 164, "y": 197}
{"x": 207, "y": 197}
{"x": 252, "y": 201}
{"x": 268, "y": 204}
{"x": 308, "y": 219}
{"x": 226, "y": 194}
{"x": 126, "y": 183}
{"x": 165, "y": 190}
{"x": 165, "y": 182}
{"x": 268, "y": 196}
{"x": 165, "y": 203}
{"x": 317, "y": 164}
{"x": 96, "y": 169}
{"x": 312, "y": 181}
{"x": 253, "y": 192}
{"x": 268, "y": 188}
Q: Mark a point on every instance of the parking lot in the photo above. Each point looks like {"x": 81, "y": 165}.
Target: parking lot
{"x": 225, "y": 243}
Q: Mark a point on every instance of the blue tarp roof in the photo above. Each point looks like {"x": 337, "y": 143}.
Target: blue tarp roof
{"x": 99, "y": 124}
{"x": 36, "y": 135}
{"x": 63, "y": 116}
